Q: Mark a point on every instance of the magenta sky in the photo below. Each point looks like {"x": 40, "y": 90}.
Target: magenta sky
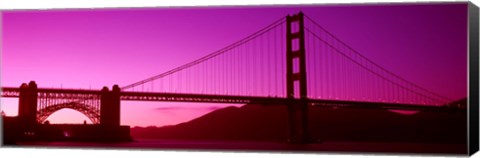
{"x": 92, "y": 48}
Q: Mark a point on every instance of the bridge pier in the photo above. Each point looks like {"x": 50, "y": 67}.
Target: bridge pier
{"x": 109, "y": 128}
{"x": 27, "y": 107}
{"x": 110, "y": 106}
{"x": 298, "y": 122}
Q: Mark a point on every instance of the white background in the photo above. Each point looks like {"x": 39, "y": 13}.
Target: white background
{"x": 82, "y": 153}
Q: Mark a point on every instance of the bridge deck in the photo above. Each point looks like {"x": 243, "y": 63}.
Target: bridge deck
{"x": 204, "y": 98}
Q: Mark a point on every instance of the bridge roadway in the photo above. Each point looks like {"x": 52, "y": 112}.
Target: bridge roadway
{"x": 11, "y": 92}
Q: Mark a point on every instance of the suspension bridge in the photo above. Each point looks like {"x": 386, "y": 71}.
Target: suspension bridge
{"x": 292, "y": 62}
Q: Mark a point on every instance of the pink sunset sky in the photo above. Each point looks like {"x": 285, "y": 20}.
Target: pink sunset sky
{"x": 92, "y": 48}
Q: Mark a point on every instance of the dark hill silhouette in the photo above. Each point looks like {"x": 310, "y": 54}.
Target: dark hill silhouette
{"x": 462, "y": 103}
{"x": 269, "y": 123}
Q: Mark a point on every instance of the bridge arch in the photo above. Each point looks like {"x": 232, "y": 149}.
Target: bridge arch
{"x": 89, "y": 111}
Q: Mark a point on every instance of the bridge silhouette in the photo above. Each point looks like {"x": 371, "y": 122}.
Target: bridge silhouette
{"x": 292, "y": 62}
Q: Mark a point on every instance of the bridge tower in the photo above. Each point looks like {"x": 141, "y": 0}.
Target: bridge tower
{"x": 296, "y": 80}
{"x": 27, "y": 107}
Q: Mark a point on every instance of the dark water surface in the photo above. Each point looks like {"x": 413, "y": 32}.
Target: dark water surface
{"x": 355, "y": 147}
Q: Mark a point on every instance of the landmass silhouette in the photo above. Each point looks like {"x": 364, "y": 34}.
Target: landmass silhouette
{"x": 269, "y": 123}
